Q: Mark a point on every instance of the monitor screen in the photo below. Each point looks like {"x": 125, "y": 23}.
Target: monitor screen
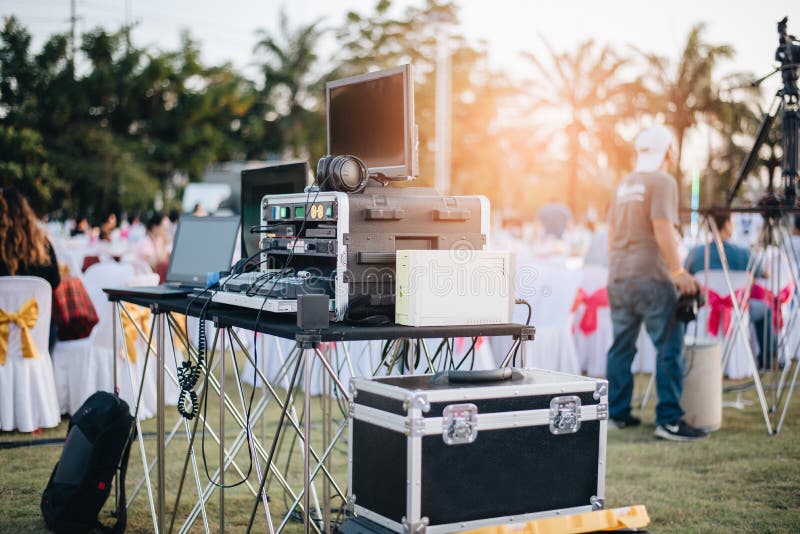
{"x": 202, "y": 245}
{"x": 277, "y": 179}
{"x": 372, "y": 116}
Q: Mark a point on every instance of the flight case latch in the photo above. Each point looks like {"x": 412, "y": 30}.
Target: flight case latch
{"x": 460, "y": 424}
{"x": 565, "y": 414}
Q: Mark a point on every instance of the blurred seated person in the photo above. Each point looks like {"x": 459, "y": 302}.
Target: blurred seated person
{"x": 738, "y": 261}
{"x": 108, "y": 226}
{"x": 134, "y": 230}
{"x": 555, "y": 217}
{"x": 174, "y": 215}
{"x": 738, "y": 257}
{"x": 199, "y": 210}
{"x": 81, "y": 226}
{"x": 24, "y": 247}
{"x": 154, "y": 247}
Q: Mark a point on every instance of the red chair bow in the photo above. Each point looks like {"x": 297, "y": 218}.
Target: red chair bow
{"x": 776, "y": 302}
{"x": 719, "y": 310}
{"x": 590, "y": 303}
{"x": 461, "y": 343}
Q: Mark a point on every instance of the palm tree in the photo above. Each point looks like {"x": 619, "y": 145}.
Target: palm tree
{"x": 292, "y": 96}
{"x": 737, "y": 124}
{"x": 586, "y": 87}
{"x": 685, "y": 91}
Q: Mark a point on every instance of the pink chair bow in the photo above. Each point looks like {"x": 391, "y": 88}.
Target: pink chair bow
{"x": 776, "y": 302}
{"x": 461, "y": 343}
{"x": 720, "y": 309}
{"x": 590, "y": 303}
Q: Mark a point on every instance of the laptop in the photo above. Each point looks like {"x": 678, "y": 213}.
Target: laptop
{"x": 202, "y": 245}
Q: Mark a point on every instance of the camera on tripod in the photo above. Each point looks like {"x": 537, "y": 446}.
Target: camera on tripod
{"x": 788, "y": 54}
{"x": 787, "y": 103}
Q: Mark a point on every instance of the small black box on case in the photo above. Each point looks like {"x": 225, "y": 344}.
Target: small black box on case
{"x": 312, "y": 312}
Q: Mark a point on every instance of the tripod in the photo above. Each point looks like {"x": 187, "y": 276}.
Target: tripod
{"x": 775, "y": 257}
{"x": 775, "y": 208}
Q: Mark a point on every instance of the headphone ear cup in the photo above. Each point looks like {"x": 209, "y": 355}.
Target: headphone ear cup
{"x": 334, "y": 172}
{"x": 323, "y": 168}
{"x": 345, "y": 178}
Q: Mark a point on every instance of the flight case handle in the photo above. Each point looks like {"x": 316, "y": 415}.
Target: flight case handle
{"x": 455, "y": 376}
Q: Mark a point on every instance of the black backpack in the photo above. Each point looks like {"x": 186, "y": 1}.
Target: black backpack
{"x": 98, "y": 444}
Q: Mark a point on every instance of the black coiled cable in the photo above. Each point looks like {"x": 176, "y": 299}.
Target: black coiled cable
{"x": 189, "y": 374}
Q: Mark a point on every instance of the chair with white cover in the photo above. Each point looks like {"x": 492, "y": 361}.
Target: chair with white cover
{"x": 84, "y": 366}
{"x": 715, "y": 313}
{"x": 550, "y": 288}
{"x": 593, "y": 348}
{"x": 593, "y": 337}
{"x": 27, "y": 388}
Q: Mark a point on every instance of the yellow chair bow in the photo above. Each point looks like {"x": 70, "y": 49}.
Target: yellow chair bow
{"x": 25, "y": 318}
{"x": 140, "y": 316}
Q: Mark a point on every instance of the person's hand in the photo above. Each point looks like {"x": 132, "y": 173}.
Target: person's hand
{"x": 685, "y": 283}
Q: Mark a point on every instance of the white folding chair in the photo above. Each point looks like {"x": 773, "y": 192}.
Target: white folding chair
{"x": 550, "y": 288}
{"x": 84, "y": 366}
{"x": 592, "y": 348}
{"x": 735, "y": 354}
{"x": 27, "y": 387}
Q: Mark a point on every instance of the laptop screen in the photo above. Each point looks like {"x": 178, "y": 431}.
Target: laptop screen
{"x": 202, "y": 245}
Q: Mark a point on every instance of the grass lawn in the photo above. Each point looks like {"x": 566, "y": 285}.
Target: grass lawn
{"x": 739, "y": 480}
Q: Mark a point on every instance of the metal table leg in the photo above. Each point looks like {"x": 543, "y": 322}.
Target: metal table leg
{"x": 222, "y": 436}
{"x": 160, "y": 431}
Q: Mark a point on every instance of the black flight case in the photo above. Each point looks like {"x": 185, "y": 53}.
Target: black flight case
{"x": 467, "y": 449}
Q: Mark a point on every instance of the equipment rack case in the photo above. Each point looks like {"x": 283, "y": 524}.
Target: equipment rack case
{"x": 449, "y": 452}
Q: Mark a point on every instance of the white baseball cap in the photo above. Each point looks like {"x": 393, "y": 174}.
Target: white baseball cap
{"x": 652, "y": 145}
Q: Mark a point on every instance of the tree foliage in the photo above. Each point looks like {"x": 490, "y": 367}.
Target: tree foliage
{"x": 119, "y": 123}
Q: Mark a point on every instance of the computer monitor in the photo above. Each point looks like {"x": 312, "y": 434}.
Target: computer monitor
{"x": 371, "y": 116}
{"x": 202, "y": 245}
{"x": 274, "y": 179}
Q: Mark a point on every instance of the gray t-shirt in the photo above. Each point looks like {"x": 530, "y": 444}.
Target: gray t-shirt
{"x": 640, "y": 198}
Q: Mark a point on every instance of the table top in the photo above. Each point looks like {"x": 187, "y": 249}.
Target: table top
{"x": 285, "y": 326}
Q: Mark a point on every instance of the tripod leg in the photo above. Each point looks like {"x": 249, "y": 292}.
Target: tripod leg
{"x": 649, "y": 390}
{"x": 743, "y": 332}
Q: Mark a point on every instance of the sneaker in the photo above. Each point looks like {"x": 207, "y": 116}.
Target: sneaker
{"x": 624, "y": 422}
{"x": 679, "y": 431}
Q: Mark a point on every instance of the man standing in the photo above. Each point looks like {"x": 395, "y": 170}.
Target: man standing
{"x": 645, "y": 281}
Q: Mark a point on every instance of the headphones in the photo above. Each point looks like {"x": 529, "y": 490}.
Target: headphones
{"x": 347, "y": 174}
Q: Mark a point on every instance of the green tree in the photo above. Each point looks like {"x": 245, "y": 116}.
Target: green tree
{"x": 196, "y": 113}
{"x": 380, "y": 40}
{"x": 120, "y": 132}
{"x": 24, "y": 165}
{"x": 292, "y": 100}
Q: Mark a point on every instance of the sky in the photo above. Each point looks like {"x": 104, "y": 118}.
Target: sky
{"x": 226, "y": 29}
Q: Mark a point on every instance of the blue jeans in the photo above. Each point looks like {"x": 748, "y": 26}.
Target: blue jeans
{"x": 635, "y": 301}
